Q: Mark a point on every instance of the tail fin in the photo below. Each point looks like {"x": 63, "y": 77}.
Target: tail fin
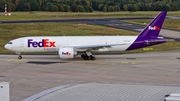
{"x": 153, "y": 28}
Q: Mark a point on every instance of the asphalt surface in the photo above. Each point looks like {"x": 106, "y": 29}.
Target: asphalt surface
{"x": 69, "y": 20}
{"x": 36, "y": 73}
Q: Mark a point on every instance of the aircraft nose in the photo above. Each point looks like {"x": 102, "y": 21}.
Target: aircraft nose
{"x": 7, "y": 46}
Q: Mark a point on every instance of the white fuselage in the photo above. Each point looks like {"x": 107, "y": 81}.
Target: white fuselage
{"x": 52, "y": 44}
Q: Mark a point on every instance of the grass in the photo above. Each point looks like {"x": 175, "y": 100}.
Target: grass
{"x": 9, "y": 32}
{"x": 173, "y": 24}
{"x": 61, "y": 15}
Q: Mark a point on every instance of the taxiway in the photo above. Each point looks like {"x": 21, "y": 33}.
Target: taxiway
{"x": 35, "y": 73}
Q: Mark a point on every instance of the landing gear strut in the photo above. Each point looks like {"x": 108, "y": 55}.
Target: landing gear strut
{"x": 19, "y": 57}
{"x": 87, "y": 56}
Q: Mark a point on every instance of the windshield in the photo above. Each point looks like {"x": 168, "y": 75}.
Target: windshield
{"x": 9, "y": 42}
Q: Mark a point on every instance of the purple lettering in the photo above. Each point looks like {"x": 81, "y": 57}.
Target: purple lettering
{"x": 35, "y": 44}
{"x": 40, "y": 44}
{"x": 29, "y": 42}
{"x": 66, "y": 53}
{"x": 43, "y": 43}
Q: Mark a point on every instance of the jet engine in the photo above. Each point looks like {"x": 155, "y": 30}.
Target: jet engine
{"x": 67, "y": 53}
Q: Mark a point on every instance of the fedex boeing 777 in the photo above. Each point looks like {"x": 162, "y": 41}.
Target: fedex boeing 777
{"x": 71, "y": 46}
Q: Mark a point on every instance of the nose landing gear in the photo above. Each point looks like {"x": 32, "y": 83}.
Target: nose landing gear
{"x": 19, "y": 57}
{"x": 18, "y": 53}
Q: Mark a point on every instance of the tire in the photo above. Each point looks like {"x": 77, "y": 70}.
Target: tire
{"x": 82, "y": 55}
{"x": 86, "y": 57}
{"x": 20, "y": 57}
{"x": 93, "y": 58}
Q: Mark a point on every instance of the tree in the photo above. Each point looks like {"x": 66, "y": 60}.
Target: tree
{"x": 81, "y": 9}
{"x": 100, "y": 7}
{"x": 55, "y": 8}
{"x": 166, "y": 7}
{"x": 23, "y": 6}
{"x": 40, "y": 2}
{"x": 49, "y": 7}
{"x": 61, "y": 8}
{"x": 73, "y": 7}
{"x": 90, "y": 9}
{"x": 116, "y": 8}
{"x": 66, "y": 8}
{"x": 125, "y": 7}
{"x": 2, "y": 3}
{"x": 83, "y": 2}
{"x": 105, "y": 8}
{"x": 77, "y": 8}
{"x": 132, "y": 7}
{"x": 110, "y": 8}
{"x": 86, "y": 8}
{"x": 174, "y": 7}
{"x": 11, "y": 7}
{"x": 90, "y": 5}
{"x": 34, "y": 6}
{"x": 78, "y": 2}
{"x": 16, "y": 3}
{"x": 72, "y": 2}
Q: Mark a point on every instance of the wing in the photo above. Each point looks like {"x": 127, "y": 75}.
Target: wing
{"x": 94, "y": 47}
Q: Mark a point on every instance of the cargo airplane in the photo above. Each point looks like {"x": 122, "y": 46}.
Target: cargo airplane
{"x": 70, "y": 46}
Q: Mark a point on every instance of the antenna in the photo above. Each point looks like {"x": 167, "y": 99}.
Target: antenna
{"x": 5, "y": 9}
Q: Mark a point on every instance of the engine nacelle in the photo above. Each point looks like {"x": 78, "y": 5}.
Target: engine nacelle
{"x": 66, "y": 53}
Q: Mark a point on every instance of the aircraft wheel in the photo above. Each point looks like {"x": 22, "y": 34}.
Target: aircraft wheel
{"x": 20, "y": 57}
{"x": 86, "y": 57}
{"x": 82, "y": 55}
{"x": 92, "y": 57}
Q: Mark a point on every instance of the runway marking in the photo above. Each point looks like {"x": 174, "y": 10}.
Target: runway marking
{"x": 16, "y": 60}
{"x": 124, "y": 62}
{"x": 133, "y": 63}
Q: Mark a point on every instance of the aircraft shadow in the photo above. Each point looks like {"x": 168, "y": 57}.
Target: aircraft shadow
{"x": 43, "y": 62}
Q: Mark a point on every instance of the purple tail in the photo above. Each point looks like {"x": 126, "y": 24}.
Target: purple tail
{"x": 153, "y": 28}
{"x": 149, "y": 36}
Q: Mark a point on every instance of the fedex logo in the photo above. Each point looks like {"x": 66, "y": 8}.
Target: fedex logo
{"x": 154, "y": 28}
{"x": 66, "y": 53}
{"x": 43, "y": 43}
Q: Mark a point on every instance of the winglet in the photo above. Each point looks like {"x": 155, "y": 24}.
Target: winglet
{"x": 152, "y": 30}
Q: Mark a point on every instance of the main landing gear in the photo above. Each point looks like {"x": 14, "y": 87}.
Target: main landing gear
{"x": 87, "y": 56}
{"x": 19, "y": 55}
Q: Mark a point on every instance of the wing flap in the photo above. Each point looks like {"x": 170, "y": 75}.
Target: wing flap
{"x": 94, "y": 47}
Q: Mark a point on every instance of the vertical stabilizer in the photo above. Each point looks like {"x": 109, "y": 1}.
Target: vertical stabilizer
{"x": 149, "y": 35}
{"x": 152, "y": 30}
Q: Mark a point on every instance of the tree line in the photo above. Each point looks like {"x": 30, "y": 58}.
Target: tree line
{"x": 90, "y": 5}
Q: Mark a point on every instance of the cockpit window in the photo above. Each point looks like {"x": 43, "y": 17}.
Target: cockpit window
{"x": 9, "y": 42}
